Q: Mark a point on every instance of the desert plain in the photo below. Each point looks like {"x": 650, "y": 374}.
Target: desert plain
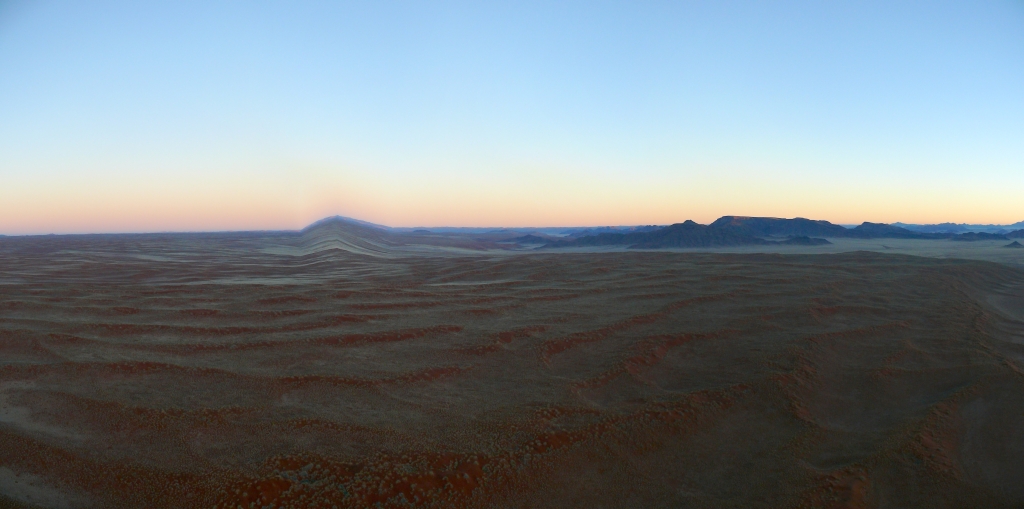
{"x": 344, "y": 369}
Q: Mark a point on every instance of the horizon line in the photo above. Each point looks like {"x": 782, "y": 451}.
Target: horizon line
{"x": 401, "y": 228}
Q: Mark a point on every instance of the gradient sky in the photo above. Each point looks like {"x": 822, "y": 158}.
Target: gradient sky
{"x": 147, "y": 116}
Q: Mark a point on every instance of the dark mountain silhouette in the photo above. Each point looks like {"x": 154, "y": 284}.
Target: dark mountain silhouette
{"x": 934, "y": 228}
{"x": 691, "y": 234}
{"x": 976, "y": 236}
{"x": 687, "y": 234}
{"x": 598, "y": 230}
{"x": 961, "y": 228}
{"x": 800, "y": 227}
{"x": 1018, "y": 234}
{"x": 803, "y": 240}
{"x": 888, "y": 231}
{"x": 868, "y": 230}
{"x": 739, "y": 231}
{"x": 1015, "y": 245}
{"x": 772, "y": 226}
{"x": 334, "y": 221}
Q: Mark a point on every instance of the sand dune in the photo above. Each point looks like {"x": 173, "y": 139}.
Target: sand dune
{"x": 214, "y": 371}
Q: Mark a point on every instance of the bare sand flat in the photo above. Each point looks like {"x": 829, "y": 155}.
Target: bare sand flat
{"x": 988, "y": 250}
{"x": 246, "y": 370}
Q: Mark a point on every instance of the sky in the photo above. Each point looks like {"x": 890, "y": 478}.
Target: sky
{"x": 205, "y": 116}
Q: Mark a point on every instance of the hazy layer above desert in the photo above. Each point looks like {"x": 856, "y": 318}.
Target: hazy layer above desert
{"x": 347, "y": 367}
{"x": 770, "y": 235}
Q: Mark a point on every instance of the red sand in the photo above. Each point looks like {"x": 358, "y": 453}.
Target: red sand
{"x": 225, "y": 377}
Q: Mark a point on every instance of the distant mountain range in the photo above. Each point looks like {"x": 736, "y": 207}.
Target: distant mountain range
{"x": 686, "y": 234}
{"x": 961, "y": 228}
{"x": 367, "y": 238}
{"x": 586, "y": 232}
{"x": 738, "y": 230}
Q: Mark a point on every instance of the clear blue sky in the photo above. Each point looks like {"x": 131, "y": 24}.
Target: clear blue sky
{"x": 141, "y": 116}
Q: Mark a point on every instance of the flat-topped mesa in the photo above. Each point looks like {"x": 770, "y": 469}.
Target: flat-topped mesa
{"x": 680, "y": 235}
{"x": 801, "y": 227}
{"x": 743, "y": 230}
{"x": 778, "y": 227}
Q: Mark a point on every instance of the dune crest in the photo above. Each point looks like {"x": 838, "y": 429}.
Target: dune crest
{"x": 347, "y": 235}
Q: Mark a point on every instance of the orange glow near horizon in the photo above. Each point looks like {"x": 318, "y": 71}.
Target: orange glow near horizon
{"x": 207, "y": 116}
{"x": 279, "y": 205}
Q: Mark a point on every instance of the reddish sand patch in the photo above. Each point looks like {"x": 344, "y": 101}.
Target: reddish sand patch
{"x": 557, "y": 346}
{"x": 333, "y": 379}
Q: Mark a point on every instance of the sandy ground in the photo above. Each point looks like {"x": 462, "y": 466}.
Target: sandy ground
{"x": 988, "y": 250}
{"x": 236, "y": 371}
